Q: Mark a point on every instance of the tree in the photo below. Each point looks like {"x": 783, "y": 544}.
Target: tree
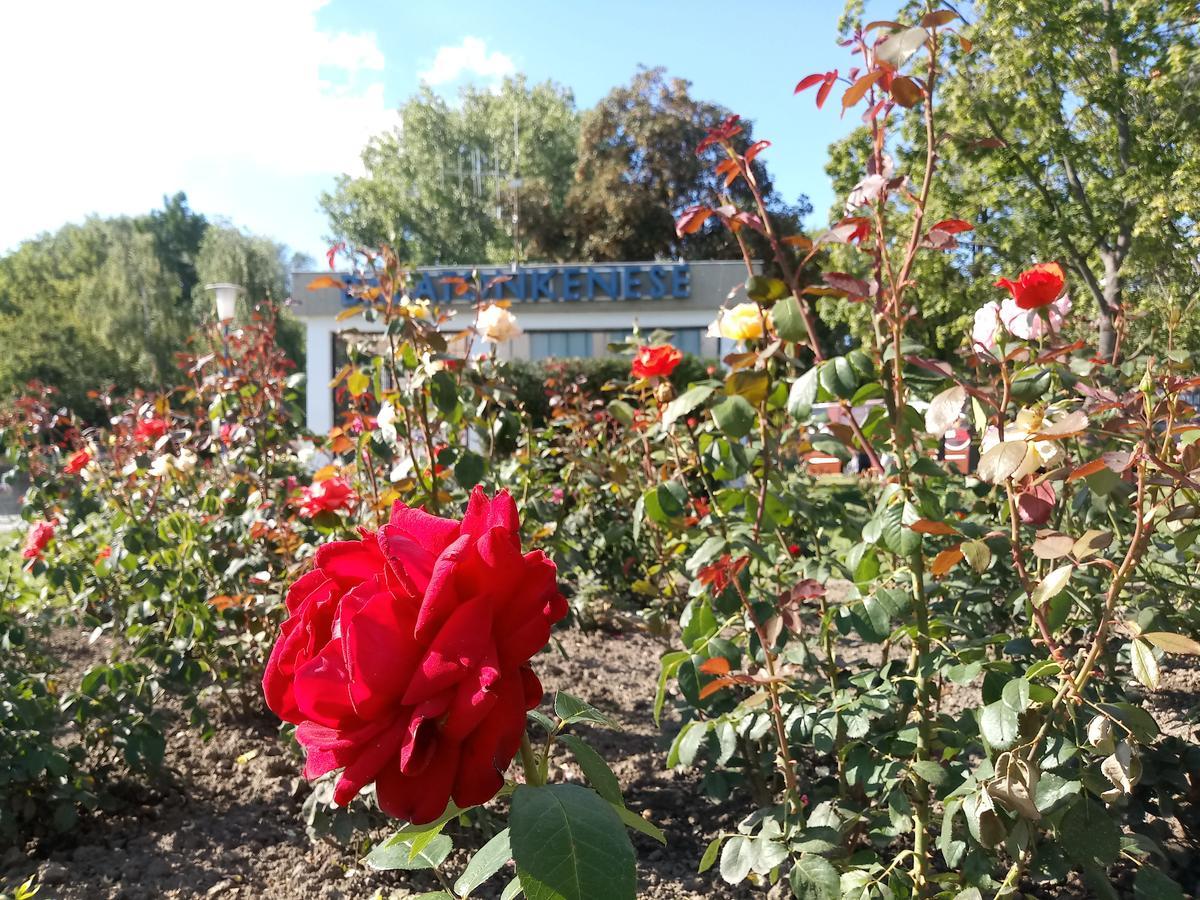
{"x": 88, "y": 305}
{"x": 638, "y": 169}
{"x": 260, "y": 265}
{"x": 177, "y": 233}
{"x": 1072, "y": 134}
{"x": 438, "y": 187}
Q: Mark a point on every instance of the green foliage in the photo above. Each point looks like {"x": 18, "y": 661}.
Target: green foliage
{"x": 437, "y": 190}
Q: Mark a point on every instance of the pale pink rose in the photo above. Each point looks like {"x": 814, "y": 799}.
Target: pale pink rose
{"x": 1030, "y": 324}
{"x": 986, "y": 328}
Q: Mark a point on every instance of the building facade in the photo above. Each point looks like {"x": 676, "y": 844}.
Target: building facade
{"x": 573, "y": 309}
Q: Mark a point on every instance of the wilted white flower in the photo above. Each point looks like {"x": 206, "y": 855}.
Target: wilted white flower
{"x": 386, "y": 419}
{"x": 185, "y": 462}
{"x": 160, "y": 466}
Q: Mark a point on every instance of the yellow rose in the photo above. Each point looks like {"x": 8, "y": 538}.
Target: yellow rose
{"x": 743, "y": 322}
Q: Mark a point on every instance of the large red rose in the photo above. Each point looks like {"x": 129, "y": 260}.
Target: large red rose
{"x": 77, "y": 462}
{"x": 652, "y": 361}
{"x": 1036, "y": 287}
{"x": 405, "y": 656}
{"x": 329, "y": 495}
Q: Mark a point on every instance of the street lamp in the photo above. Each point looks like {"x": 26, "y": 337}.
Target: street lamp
{"x": 226, "y": 297}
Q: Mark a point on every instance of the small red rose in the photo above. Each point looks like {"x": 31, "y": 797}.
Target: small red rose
{"x": 330, "y": 495}
{"x": 151, "y": 429}
{"x": 405, "y": 656}
{"x": 77, "y": 462}
{"x": 660, "y": 361}
{"x": 39, "y": 535}
{"x": 1036, "y": 287}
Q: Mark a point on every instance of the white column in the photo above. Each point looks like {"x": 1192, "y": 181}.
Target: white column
{"x": 318, "y": 351}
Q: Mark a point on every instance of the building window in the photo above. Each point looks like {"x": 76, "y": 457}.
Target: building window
{"x": 546, "y": 344}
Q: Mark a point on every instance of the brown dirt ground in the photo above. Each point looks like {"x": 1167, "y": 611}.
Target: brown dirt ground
{"x": 223, "y": 825}
{"x": 219, "y": 827}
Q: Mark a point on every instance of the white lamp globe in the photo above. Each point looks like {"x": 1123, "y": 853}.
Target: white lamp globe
{"x": 226, "y": 297}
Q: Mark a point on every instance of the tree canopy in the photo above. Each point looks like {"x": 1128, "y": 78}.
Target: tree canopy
{"x": 1072, "y": 132}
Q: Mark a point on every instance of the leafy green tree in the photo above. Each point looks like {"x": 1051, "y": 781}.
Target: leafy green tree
{"x": 438, "y": 187}
{"x": 1075, "y": 136}
{"x": 87, "y": 305}
{"x": 260, "y": 265}
{"x": 638, "y": 169}
{"x": 177, "y": 233}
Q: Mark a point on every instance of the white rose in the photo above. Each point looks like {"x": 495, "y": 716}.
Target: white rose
{"x": 496, "y": 324}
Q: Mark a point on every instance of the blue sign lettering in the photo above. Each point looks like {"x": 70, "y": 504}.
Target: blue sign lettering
{"x": 609, "y": 282}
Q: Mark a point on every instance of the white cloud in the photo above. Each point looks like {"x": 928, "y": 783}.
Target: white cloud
{"x": 131, "y": 99}
{"x": 471, "y": 57}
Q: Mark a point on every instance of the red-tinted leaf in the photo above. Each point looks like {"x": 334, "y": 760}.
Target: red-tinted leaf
{"x": 929, "y": 526}
{"x": 873, "y": 111}
{"x": 945, "y": 561}
{"x": 717, "y": 665}
{"x": 882, "y": 23}
{"x": 715, "y": 685}
{"x": 807, "y": 589}
{"x": 756, "y": 148}
{"x": 692, "y": 220}
{"x": 859, "y": 89}
{"x": 1088, "y": 469}
{"x": 844, "y": 282}
{"x": 324, "y": 281}
{"x": 798, "y": 240}
{"x": 823, "y": 93}
{"x": 938, "y": 17}
{"x": 953, "y": 226}
{"x": 810, "y": 81}
{"x": 906, "y": 92}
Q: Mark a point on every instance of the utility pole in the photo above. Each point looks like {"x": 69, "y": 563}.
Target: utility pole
{"x": 515, "y": 184}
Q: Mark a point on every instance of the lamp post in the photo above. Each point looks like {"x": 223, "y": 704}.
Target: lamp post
{"x": 226, "y": 295}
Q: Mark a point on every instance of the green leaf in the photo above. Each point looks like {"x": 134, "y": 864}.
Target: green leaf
{"x": 396, "y": 853}
{"x": 571, "y": 710}
{"x": 1089, "y": 835}
{"x": 595, "y": 769}
{"x": 487, "y": 861}
{"x": 1052, "y": 585}
{"x": 683, "y": 404}
{"x": 637, "y": 823}
{"x": 760, "y": 288}
{"x": 737, "y": 859}
{"x": 1172, "y": 643}
{"x": 999, "y": 725}
{"x": 468, "y": 471}
{"x": 814, "y": 878}
{"x": 838, "y": 377}
{"x": 569, "y": 844}
{"x": 734, "y": 416}
{"x": 511, "y": 890}
{"x": 803, "y": 395}
{"x": 1145, "y": 666}
{"x": 929, "y": 771}
{"x": 710, "y": 853}
{"x": 789, "y": 320}
{"x": 1151, "y": 884}
{"x": 1016, "y": 695}
{"x": 444, "y": 392}
{"x": 670, "y": 664}
{"x": 624, "y": 413}
{"x": 752, "y": 385}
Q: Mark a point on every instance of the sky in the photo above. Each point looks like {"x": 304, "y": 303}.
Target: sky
{"x": 254, "y": 107}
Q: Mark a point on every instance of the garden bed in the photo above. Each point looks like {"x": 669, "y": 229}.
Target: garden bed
{"x": 226, "y": 821}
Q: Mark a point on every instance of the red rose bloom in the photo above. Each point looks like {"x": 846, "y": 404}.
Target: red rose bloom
{"x": 1036, "y": 287}
{"x": 656, "y": 361}
{"x": 36, "y": 539}
{"x": 77, "y": 462}
{"x": 150, "y": 429}
{"x": 327, "y": 496}
{"x": 405, "y": 656}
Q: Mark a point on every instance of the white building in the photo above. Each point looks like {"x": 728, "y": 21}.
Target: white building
{"x": 573, "y": 309}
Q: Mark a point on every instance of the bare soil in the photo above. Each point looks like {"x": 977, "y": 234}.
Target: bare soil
{"x": 225, "y": 820}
